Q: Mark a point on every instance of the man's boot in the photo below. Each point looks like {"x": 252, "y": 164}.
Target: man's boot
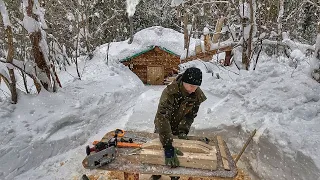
{"x": 155, "y": 177}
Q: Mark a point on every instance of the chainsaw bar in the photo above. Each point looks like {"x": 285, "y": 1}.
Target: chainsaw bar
{"x": 101, "y": 158}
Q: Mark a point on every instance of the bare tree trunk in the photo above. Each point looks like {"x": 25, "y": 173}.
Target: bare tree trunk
{"x": 13, "y": 88}
{"x": 108, "y": 54}
{"x": 131, "y": 29}
{"x": 244, "y": 45}
{"x": 280, "y": 16}
{"x": 22, "y": 58}
{"x": 189, "y": 36}
{"x": 76, "y": 58}
{"x": 85, "y": 28}
{"x": 185, "y": 28}
{"x": 24, "y": 77}
{"x": 249, "y": 51}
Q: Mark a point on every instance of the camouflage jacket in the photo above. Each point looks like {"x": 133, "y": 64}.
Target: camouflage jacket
{"x": 176, "y": 111}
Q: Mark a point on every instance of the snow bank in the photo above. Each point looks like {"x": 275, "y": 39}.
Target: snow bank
{"x": 153, "y": 36}
{"x": 53, "y": 129}
{"x": 284, "y": 109}
{"x": 50, "y": 124}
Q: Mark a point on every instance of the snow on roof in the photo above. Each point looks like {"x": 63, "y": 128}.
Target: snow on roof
{"x": 165, "y": 38}
{"x": 147, "y": 50}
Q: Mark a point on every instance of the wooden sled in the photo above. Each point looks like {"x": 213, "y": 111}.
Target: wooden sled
{"x": 131, "y": 162}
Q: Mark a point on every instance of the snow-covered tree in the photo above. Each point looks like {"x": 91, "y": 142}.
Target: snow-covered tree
{"x": 35, "y": 24}
{"x": 11, "y": 79}
{"x": 131, "y": 9}
{"x": 315, "y": 64}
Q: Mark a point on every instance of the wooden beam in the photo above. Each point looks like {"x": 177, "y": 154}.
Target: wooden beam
{"x": 196, "y": 154}
{"x": 191, "y": 160}
{"x": 183, "y": 145}
{"x": 223, "y": 153}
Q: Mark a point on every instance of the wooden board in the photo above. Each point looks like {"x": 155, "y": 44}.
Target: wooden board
{"x": 183, "y": 145}
{"x": 223, "y": 153}
{"x": 155, "y": 75}
{"x": 127, "y": 160}
{"x": 196, "y": 154}
{"x": 191, "y": 160}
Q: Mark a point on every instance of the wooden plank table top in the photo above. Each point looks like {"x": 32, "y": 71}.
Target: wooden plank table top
{"x": 226, "y": 167}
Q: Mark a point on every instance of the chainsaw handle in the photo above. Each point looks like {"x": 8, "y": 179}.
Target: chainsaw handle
{"x": 118, "y": 133}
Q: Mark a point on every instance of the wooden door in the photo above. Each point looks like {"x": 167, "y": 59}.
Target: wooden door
{"x": 155, "y": 75}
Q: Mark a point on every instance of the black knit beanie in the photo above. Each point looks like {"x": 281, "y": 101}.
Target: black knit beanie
{"x": 192, "y": 76}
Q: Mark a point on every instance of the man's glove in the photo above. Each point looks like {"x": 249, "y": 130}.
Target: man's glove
{"x": 205, "y": 140}
{"x": 171, "y": 158}
{"x": 182, "y": 136}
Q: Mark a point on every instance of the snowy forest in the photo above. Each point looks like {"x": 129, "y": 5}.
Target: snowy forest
{"x": 69, "y": 29}
{"x": 67, "y": 78}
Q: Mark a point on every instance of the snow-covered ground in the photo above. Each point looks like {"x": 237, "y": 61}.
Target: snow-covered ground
{"x": 44, "y": 136}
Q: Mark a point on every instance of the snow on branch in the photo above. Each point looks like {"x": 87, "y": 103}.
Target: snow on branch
{"x": 294, "y": 45}
{"x": 4, "y": 74}
{"x": 40, "y": 12}
{"x": 291, "y": 44}
{"x": 4, "y": 13}
{"x": 30, "y": 24}
{"x": 175, "y": 3}
{"x": 131, "y": 7}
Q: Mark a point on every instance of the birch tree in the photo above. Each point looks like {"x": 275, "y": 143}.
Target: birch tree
{"x": 11, "y": 80}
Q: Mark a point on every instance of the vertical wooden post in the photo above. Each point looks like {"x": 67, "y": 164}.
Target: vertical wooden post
{"x": 185, "y": 27}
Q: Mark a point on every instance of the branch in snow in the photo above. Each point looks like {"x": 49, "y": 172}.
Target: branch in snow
{"x": 28, "y": 69}
{"x": 5, "y": 75}
{"x": 289, "y": 43}
{"x": 131, "y": 6}
{"x": 4, "y": 13}
{"x": 294, "y": 45}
